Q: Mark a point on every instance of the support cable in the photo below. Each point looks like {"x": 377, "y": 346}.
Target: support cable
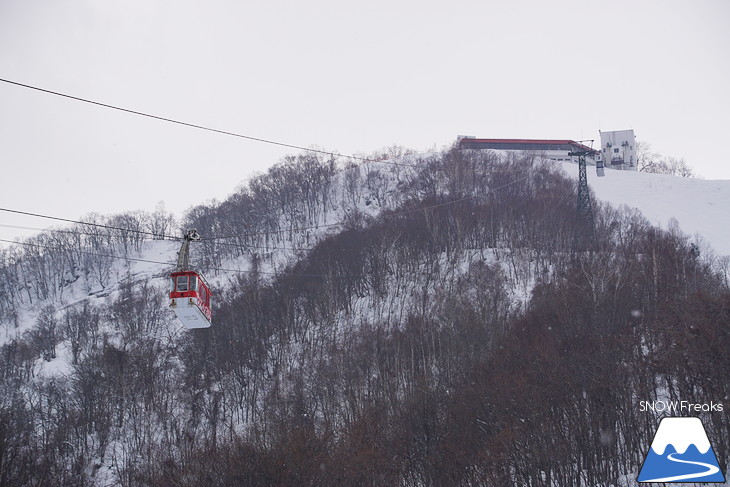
{"x": 202, "y": 127}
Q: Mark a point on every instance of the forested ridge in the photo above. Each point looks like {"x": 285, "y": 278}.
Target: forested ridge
{"x": 429, "y": 323}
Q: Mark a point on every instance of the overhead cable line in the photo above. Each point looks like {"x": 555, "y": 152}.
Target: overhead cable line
{"x": 249, "y": 234}
{"x": 274, "y": 232}
{"x": 157, "y": 236}
{"x": 70, "y": 232}
{"x": 219, "y": 269}
{"x": 263, "y": 247}
{"x": 203, "y": 127}
{"x": 110, "y": 227}
{"x": 59, "y": 249}
{"x": 20, "y": 227}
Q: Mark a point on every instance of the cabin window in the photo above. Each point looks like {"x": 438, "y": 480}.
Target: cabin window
{"x": 193, "y": 283}
{"x": 182, "y": 283}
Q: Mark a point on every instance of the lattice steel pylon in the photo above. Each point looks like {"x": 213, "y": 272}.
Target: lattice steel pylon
{"x": 584, "y": 232}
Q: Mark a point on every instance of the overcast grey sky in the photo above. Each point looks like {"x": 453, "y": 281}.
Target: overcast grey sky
{"x": 351, "y": 77}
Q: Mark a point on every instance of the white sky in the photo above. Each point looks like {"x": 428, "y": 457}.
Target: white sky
{"x": 339, "y": 76}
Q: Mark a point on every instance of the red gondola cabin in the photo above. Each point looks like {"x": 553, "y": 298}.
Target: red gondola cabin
{"x": 190, "y": 299}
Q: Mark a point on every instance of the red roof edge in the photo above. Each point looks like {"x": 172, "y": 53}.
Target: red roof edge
{"x": 530, "y": 141}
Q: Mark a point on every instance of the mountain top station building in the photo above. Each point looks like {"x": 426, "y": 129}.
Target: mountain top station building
{"x": 556, "y": 150}
{"x": 618, "y": 148}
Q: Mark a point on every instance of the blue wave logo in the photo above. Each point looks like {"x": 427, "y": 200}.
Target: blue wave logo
{"x": 681, "y": 452}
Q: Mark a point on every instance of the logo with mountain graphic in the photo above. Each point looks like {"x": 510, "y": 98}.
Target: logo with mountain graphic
{"x": 681, "y": 452}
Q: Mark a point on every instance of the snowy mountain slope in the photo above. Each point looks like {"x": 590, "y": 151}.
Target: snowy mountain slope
{"x": 340, "y": 308}
{"x": 700, "y": 206}
{"x": 154, "y": 261}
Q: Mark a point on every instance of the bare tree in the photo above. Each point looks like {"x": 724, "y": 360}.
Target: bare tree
{"x": 656, "y": 163}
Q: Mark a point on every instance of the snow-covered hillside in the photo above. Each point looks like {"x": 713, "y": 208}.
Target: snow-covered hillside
{"x": 425, "y": 309}
{"x": 700, "y": 206}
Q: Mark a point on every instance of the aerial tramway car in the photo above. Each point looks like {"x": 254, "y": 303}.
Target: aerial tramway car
{"x": 190, "y": 299}
{"x": 189, "y": 293}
